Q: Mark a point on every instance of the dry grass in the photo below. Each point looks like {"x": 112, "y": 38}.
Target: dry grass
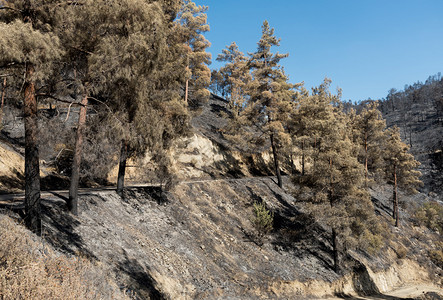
{"x": 11, "y": 170}
{"x": 30, "y": 269}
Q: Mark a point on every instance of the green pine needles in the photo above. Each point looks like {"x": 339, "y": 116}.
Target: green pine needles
{"x": 263, "y": 219}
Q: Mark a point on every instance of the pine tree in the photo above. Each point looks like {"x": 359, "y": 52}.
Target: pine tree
{"x": 27, "y": 43}
{"x": 193, "y": 22}
{"x": 270, "y": 96}
{"x": 399, "y": 168}
{"x": 88, "y": 27}
{"x": 304, "y": 123}
{"x": 80, "y": 37}
{"x": 236, "y": 76}
{"x": 218, "y": 83}
{"x": 368, "y": 129}
{"x": 136, "y": 69}
{"x": 75, "y": 175}
{"x": 3, "y": 100}
{"x": 333, "y": 181}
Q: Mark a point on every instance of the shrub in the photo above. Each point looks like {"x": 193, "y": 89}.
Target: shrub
{"x": 371, "y": 242}
{"x": 263, "y": 219}
{"x": 431, "y": 216}
{"x": 30, "y": 269}
{"x": 401, "y": 252}
{"x": 372, "y": 234}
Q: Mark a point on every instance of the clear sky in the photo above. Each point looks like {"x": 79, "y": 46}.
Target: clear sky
{"x": 365, "y": 46}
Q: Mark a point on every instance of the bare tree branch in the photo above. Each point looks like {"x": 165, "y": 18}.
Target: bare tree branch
{"x": 82, "y": 50}
{"x": 74, "y": 3}
{"x": 60, "y": 100}
{"x": 107, "y": 107}
{"x": 69, "y": 110}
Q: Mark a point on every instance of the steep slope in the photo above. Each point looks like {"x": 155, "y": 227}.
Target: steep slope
{"x": 197, "y": 242}
{"x": 422, "y": 129}
{"x": 31, "y": 269}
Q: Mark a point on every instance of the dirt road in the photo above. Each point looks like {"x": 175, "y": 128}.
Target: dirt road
{"x": 409, "y": 292}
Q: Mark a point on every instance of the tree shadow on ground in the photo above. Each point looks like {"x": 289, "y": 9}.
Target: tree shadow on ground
{"x": 141, "y": 282}
{"x": 301, "y": 236}
{"x": 257, "y": 166}
{"x": 374, "y": 296}
{"x": 289, "y": 208}
{"x": 15, "y": 181}
{"x": 299, "y": 233}
{"x": 380, "y": 207}
{"x": 219, "y": 109}
{"x": 54, "y": 182}
{"x": 59, "y": 229}
{"x": 152, "y": 193}
{"x": 207, "y": 170}
{"x": 255, "y": 197}
{"x": 232, "y": 164}
{"x": 58, "y": 195}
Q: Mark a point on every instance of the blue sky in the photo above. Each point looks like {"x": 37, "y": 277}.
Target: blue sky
{"x": 365, "y": 46}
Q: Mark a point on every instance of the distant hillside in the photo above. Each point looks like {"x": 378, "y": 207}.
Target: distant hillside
{"x": 418, "y": 111}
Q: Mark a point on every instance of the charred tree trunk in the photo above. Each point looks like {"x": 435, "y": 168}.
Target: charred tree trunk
{"x": 33, "y": 218}
{"x": 291, "y": 154}
{"x": 334, "y": 232}
{"x": 3, "y": 100}
{"x": 303, "y": 158}
{"x": 366, "y": 158}
{"x": 186, "y": 90}
{"x": 122, "y": 168}
{"x": 395, "y": 198}
{"x": 73, "y": 188}
{"x": 276, "y": 163}
{"x": 335, "y": 250}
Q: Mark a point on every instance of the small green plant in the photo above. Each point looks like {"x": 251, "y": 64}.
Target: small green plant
{"x": 263, "y": 219}
{"x": 371, "y": 242}
{"x": 371, "y": 234}
{"x": 431, "y": 216}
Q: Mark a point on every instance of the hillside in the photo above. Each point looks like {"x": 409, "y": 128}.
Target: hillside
{"x": 423, "y": 131}
{"x": 418, "y": 112}
{"x": 197, "y": 242}
{"x": 278, "y": 191}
